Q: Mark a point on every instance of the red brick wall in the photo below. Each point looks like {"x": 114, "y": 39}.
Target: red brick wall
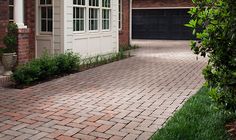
{"x": 161, "y": 3}
{"x": 3, "y": 19}
{"x": 23, "y": 46}
{"x": 125, "y": 32}
{"x": 30, "y": 22}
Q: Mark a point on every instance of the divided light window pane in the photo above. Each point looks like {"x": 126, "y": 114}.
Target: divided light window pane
{"x": 45, "y": 1}
{"x": 79, "y": 2}
{"x": 106, "y": 3}
{"x": 79, "y": 15}
{"x": 46, "y": 15}
{"x": 94, "y": 3}
{"x": 11, "y": 10}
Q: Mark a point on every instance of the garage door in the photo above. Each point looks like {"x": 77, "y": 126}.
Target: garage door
{"x": 161, "y": 24}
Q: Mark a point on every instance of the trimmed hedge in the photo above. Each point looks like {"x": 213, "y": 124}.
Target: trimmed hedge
{"x": 46, "y": 67}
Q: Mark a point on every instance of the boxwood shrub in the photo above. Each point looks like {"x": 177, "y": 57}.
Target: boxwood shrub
{"x": 46, "y": 67}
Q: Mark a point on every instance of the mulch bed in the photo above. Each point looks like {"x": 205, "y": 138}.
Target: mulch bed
{"x": 231, "y": 128}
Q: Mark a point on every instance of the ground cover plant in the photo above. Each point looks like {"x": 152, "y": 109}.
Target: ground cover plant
{"x": 128, "y": 47}
{"x": 198, "y": 119}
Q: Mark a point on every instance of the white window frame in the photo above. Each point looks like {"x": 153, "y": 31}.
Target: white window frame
{"x": 106, "y": 8}
{"x": 40, "y": 6}
{"x": 120, "y": 14}
{"x": 85, "y": 12}
{"x": 98, "y": 7}
{"x": 11, "y": 6}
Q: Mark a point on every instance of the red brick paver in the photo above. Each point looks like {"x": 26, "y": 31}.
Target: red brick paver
{"x": 129, "y": 99}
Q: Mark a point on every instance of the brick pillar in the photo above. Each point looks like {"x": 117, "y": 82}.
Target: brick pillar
{"x": 23, "y": 50}
{"x": 124, "y": 33}
{"x": 4, "y": 19}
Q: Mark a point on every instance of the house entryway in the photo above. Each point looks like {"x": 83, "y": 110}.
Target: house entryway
{"x": 167, "y": 24}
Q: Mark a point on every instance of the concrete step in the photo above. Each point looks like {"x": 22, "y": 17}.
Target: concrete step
{"x": 4, "y": 80}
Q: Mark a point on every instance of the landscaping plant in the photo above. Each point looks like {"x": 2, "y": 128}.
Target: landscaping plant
{"x": 214, "y": 25}
{"x": 48, "y": 67}
{"x": 45, "y": 68}
{"x": 10, "y": 39}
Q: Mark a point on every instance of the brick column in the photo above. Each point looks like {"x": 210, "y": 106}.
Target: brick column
{"x": 4, "y": 19}
{"x": 124, "y": 34}
{"x": 23, "y": 50}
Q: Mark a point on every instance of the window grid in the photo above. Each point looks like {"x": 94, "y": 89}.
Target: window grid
{"x": 94, "y": 3}
{"x": 106, "y": 10}
{"x": 11, "y": 10}
{"x": 46, "y": 15}
{"x": 79, "y": 13}
{"x": 120, "y": 14}
{"x": 106, "y": 3}
{"x": 93, "y": 15}
{"x": 93, "y": 19}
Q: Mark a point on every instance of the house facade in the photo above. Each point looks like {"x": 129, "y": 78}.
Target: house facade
{"x": 91, "y": 27}
{"x": 87, "y": 27}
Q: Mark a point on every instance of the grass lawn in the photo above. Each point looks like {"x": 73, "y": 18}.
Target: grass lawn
{"x": 197, "y": 120}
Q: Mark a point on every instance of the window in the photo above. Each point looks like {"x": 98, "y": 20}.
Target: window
{"x": 79, "y": 15}
{"x": 11, "y": 10}
{"x": 120, "y": 15}
{"x": 94, "y": 3}
{"x": 93, "y": 14}
{"x": 46, "y": 16}
{"x": 106, "y": 10}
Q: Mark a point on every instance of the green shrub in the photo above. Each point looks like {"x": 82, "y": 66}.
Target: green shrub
{"x": 48, "y": 67}
{"x": 217, "y": 40}
{"x": 45, "y": 68}
{"x": 68, "y": 62}
{"x": 10, "y": 40}
{"x": 1, "y": 52}
{"x": 127, "y": 47}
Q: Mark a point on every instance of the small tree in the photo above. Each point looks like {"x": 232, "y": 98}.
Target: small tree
{"x": 10, "y": 40}
{"x": 214, "y": 25}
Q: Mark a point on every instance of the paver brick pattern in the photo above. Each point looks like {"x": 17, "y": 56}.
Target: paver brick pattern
{"x": 129, "y": 99}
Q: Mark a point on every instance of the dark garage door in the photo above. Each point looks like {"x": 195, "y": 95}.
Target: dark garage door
{"x": 161, "y": 24}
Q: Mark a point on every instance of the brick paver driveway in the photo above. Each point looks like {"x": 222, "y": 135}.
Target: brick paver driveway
{"x": 128, "y": 99}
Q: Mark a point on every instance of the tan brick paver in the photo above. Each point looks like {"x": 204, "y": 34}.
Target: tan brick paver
{"x": 129, "y": 99}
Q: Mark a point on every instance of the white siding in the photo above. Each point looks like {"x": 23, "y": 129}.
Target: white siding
{"x": 91, "y": 43}
{"x": 86, "y": 44}
{"x": 57, "y": 32}
{"x": 68, "y": 25}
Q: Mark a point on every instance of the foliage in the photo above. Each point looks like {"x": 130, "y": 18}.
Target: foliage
{"x": 102, "y": 59}
{"x": 10, "y": 40}
{"x": 214, "y": 25}
{"x": 1, "y": 52}
{"x": 46, "y": 67}
{"x": 128, "y": 47}
{"x": 197, "y": 120}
